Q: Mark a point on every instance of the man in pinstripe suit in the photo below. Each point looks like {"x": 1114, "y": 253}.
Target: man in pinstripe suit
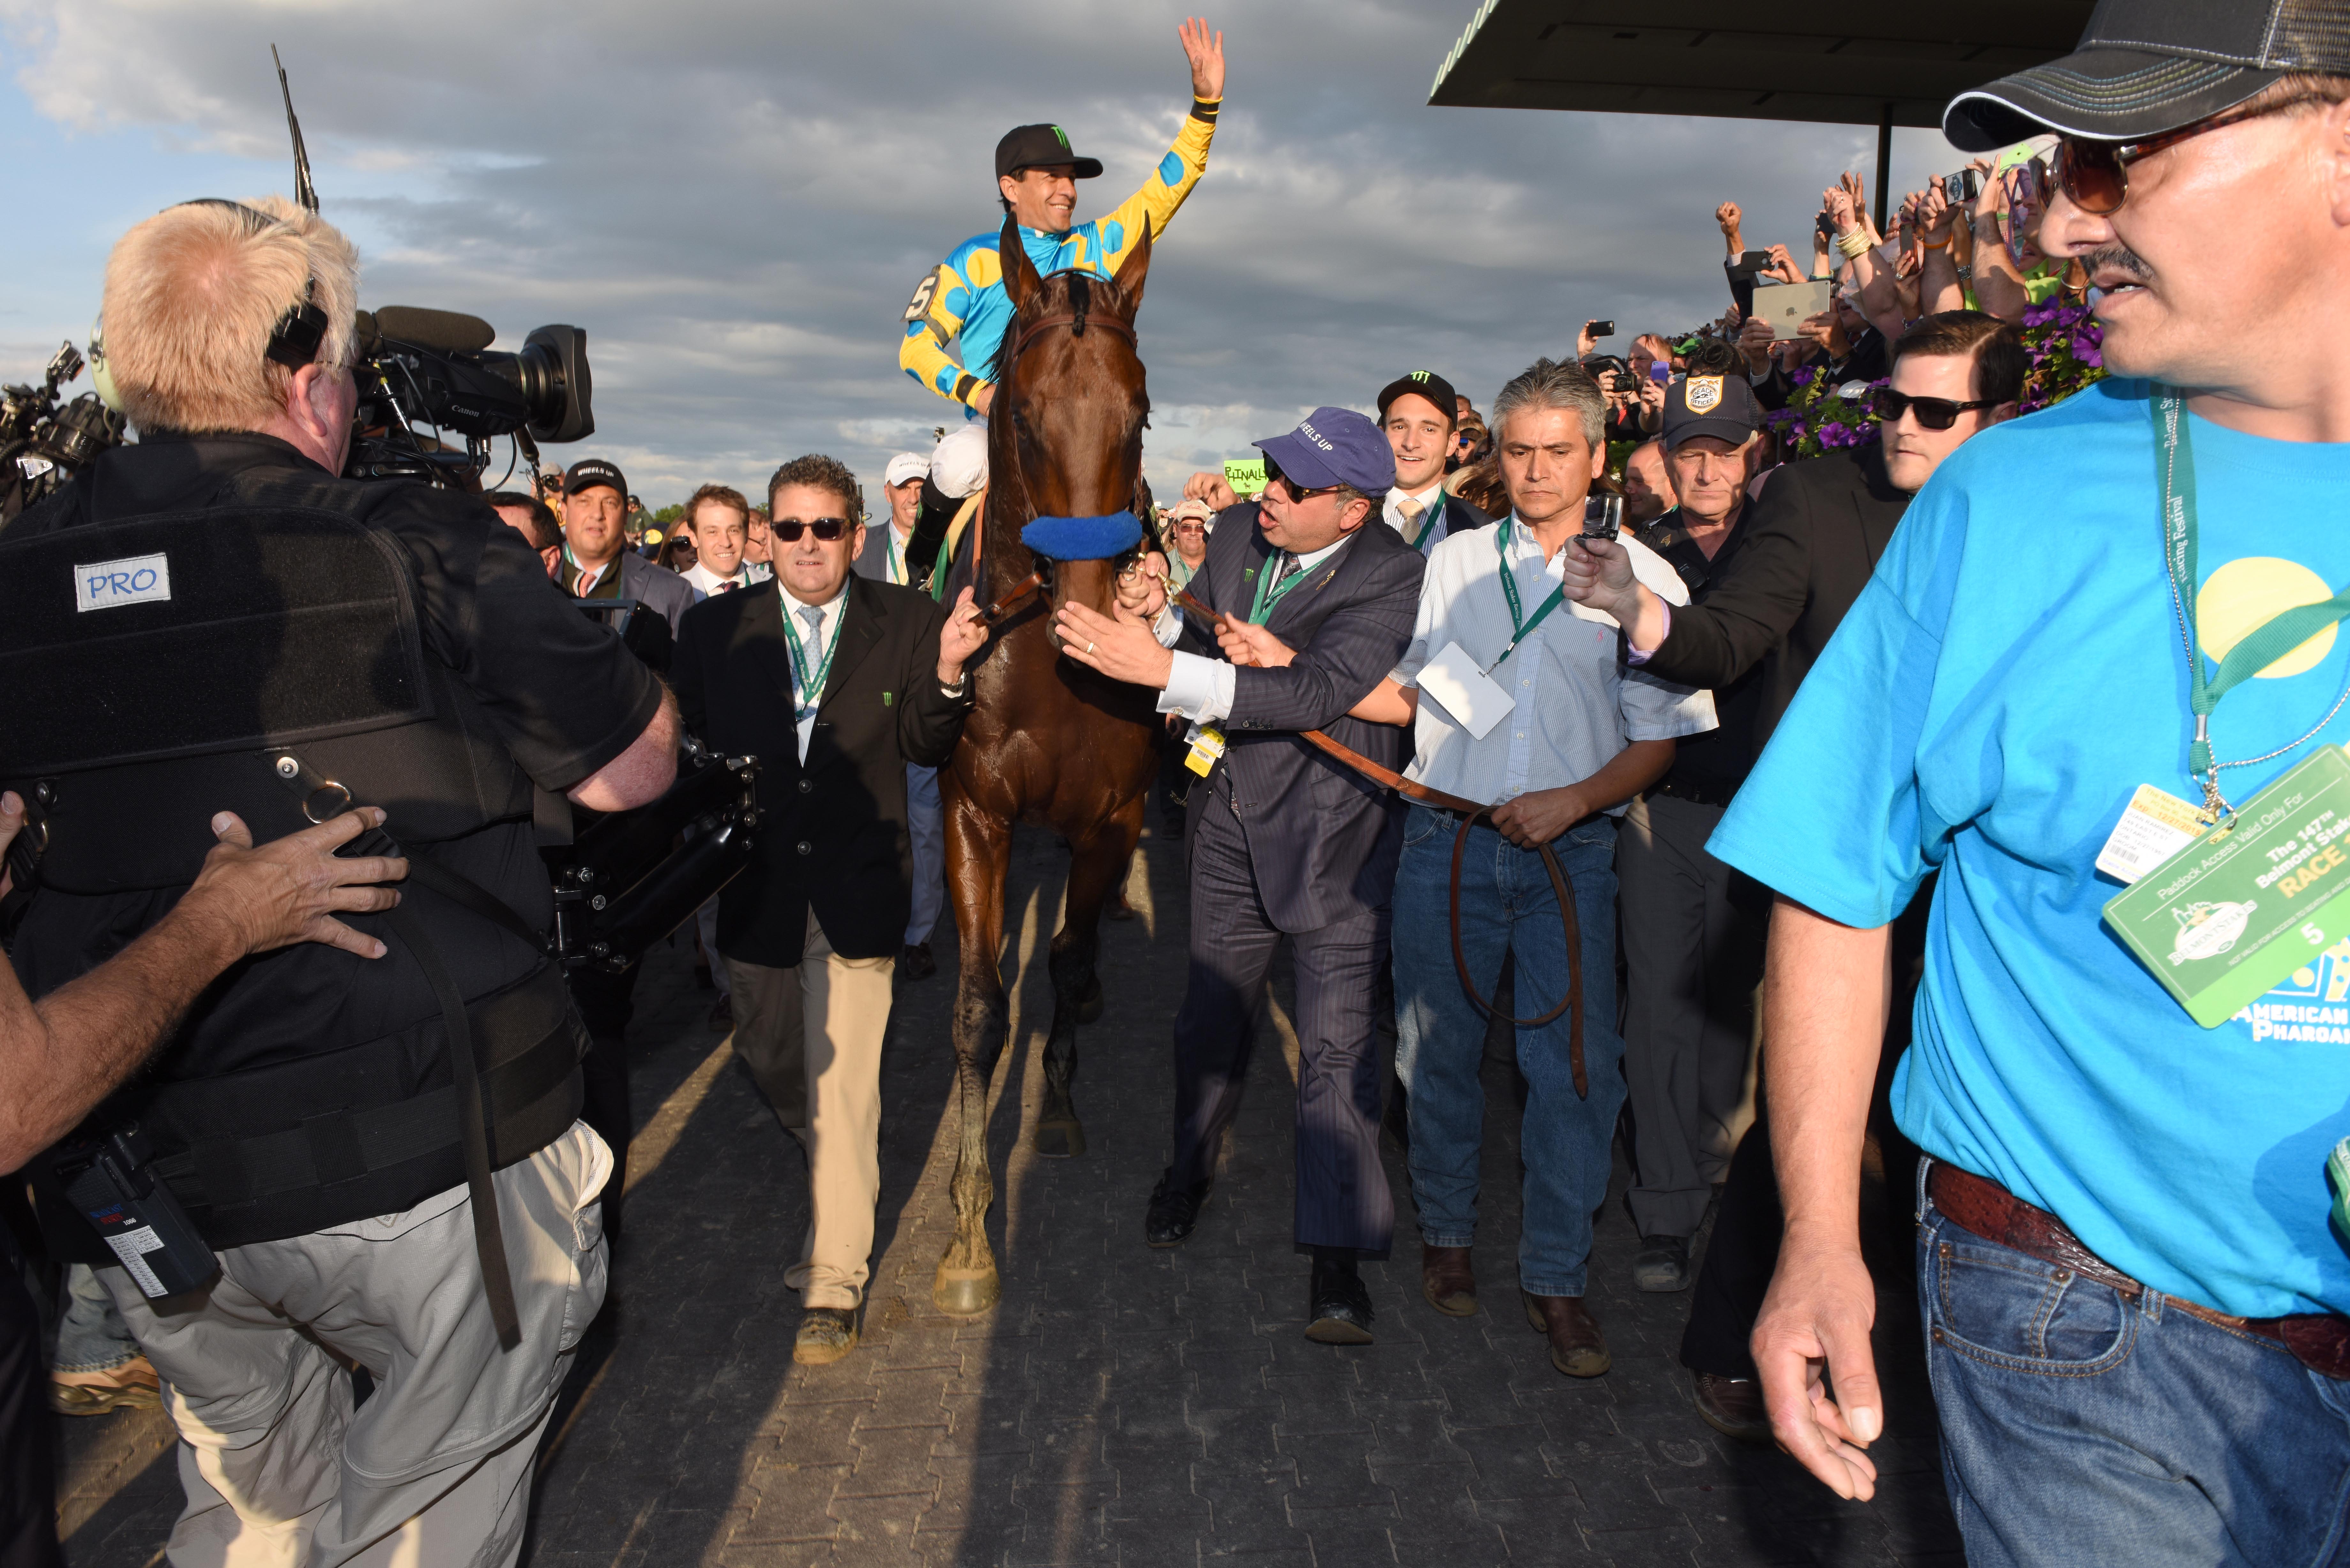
{"x": 1284, "y": 840}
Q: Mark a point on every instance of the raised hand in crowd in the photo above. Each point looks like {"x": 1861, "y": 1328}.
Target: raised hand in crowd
{"x": 1783, "y": 266}
{"x": 1940, "y": 236}
{"x": 1211, "y": 487}
{"x": 1726, "y": 217}
{"x": 1754, "y": 341}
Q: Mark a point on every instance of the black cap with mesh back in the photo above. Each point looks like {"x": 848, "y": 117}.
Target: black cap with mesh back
{"x": 2145, "y": 67}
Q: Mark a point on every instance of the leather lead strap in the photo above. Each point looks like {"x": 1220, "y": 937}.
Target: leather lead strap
{"x": 489, "y": 1235}
{"x": 1564, "y": 888}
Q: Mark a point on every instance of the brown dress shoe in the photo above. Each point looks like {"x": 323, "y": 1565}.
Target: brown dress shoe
{"x": 1576, "y": 1346}
{"x": 1732, "y": 1406}
{"x": 1447, "y": 1280}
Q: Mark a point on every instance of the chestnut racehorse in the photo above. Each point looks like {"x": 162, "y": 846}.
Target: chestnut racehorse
{"x": 1048, "y": 741}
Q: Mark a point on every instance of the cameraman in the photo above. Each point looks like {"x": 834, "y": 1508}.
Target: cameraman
{"x": 383, "y": 1158}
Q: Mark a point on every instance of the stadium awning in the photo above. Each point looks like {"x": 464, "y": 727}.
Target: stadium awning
{"x": 1881, "y": 65}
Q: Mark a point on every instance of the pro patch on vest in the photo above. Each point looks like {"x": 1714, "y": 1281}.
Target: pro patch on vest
{"x": 135, "y": 581}
{"x": 2227, "y": 916}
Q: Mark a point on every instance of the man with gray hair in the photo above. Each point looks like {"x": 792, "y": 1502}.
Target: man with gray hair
{"x": 382, "y": 1164}
{"x": 1520, "y": 696}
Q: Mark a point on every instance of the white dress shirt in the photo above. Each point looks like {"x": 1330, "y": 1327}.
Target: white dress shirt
{"x": 706, "y": 582}
{"x": 1392, "y": 510}
{"x": 830, "y": 614}
{"x": 893, "y": 552}
{"x": 1574, "y": 706}
{"x": 1200, "y": 687}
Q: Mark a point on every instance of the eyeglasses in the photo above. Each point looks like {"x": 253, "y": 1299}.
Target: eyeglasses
{"x": 826, "y": 529}
{"x": 1933, "y": 413}
{"x": 1272, "y": 475}
{"x": 2094, "y": 175}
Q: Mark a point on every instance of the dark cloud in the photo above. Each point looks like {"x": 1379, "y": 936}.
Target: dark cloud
{"x": 736, "y": 202}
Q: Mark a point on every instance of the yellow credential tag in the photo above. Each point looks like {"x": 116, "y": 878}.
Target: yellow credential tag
{"x": 2227, "y": 918}
{"x": 1207, "y": 746}
{"x": 2155, "y": 825}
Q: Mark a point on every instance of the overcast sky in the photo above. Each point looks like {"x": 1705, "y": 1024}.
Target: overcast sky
{"x": 735, "y": 201}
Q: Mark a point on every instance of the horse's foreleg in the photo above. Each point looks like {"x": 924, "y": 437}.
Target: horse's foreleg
{"x": 1096, "y": 866}
{"x": 978, "y": 856}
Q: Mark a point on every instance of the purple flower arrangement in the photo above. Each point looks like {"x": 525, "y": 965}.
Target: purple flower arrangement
{"x": 2068, "y": 352}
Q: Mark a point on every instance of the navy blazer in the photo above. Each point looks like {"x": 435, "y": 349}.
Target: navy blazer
{"x": 1323, "y": 840}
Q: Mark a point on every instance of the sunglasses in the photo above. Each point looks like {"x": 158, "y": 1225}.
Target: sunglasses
{"x": 1933, "y": 413}
{"x": 826, "y": 529}
{"x": 2094, "y": 175}
{"x": 1272, "y": 475}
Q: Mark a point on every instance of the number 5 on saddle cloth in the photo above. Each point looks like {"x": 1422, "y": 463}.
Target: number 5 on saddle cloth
{"x": 269, "y": 660}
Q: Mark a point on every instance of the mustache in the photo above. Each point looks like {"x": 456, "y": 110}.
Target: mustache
{"x": 2121, "y": 258}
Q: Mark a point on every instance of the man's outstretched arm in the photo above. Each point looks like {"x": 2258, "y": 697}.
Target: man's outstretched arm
{"x": 1825, "y": 992}
{"x": 61, "y": 1055}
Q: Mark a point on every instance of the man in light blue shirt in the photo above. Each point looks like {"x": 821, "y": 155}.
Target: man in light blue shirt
{"x": 2131, "y": 1290}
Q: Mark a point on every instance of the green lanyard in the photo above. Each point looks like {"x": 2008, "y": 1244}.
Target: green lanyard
{"x": 893, "y": 559}
{"x": 806, "y": 678}
{"x": 1267, "y": 594}
{"x": 2261, "y": 647}
{"x": 1517, "y": 607}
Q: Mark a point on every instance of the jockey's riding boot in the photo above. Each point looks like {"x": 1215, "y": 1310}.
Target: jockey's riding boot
{"x": 930, "y": 524}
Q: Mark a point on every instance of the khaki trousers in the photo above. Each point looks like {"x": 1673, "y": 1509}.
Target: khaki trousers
{"x": 435, "y": 1468}
{"x": 811, "y": 1035}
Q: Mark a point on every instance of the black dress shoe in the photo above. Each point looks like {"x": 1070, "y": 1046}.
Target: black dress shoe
{"x": 1337, "y": 1307}
{"x": 916, "y": 962}
{"x": 1173, "y": 1212}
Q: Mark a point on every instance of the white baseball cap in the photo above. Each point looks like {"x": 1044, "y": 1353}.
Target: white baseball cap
{"x": 906, "y": 465}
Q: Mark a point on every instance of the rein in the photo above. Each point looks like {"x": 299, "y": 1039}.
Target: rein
{"x": 1471, "y": 813}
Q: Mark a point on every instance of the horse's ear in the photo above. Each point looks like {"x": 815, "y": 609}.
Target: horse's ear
{"x": 1020, "y": 279}
{"x": 1132, "y": 271}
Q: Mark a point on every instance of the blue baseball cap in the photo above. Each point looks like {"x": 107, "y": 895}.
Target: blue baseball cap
{"x": 1334, "y": 446}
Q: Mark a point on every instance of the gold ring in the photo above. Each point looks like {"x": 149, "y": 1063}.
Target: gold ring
{"x": 1089, "y": 648}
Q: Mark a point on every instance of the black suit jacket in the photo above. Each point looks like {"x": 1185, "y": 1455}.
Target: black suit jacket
{"x": 1322, "y": 838}
{"x": 831, "y": 833}
{"x": 1808, "y": 550}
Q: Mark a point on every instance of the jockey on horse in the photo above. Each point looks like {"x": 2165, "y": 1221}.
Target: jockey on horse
{"x": 962, "y": 297}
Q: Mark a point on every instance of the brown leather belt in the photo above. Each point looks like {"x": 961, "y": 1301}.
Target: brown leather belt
{"x": 2319, "y": 1341}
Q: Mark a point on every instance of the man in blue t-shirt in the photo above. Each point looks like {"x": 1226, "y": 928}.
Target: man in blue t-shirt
{"x": 2131, "y": 1291}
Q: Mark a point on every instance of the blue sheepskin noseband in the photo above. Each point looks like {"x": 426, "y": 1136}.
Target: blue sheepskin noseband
{"x": 1083, "y": 538}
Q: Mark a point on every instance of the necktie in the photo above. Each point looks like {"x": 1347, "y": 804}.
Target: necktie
{"x": 727, "y": 586}
{"x": 1411, "y": 511}
{"x": 814, "y": 616}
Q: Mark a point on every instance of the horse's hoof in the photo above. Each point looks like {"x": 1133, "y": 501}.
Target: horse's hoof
{"x": 1089, "y": 1006}
{"x": 966, "y": 1292}
{"x": 1059, "y": 1139}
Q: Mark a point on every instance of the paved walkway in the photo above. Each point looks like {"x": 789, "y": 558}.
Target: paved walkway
{"x": 1122, "y": 1406}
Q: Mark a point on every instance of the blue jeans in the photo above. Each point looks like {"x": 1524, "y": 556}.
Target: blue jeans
{"x": 1507, "y": 906}
{"x": 2079, "y": 1427}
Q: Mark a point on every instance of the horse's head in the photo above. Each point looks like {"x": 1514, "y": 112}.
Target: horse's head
{"x": 1066, "y": 427}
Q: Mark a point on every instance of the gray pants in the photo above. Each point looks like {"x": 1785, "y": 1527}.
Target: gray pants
{"x": 280, "y": 1472}
{"x": 1693, "y": 933}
